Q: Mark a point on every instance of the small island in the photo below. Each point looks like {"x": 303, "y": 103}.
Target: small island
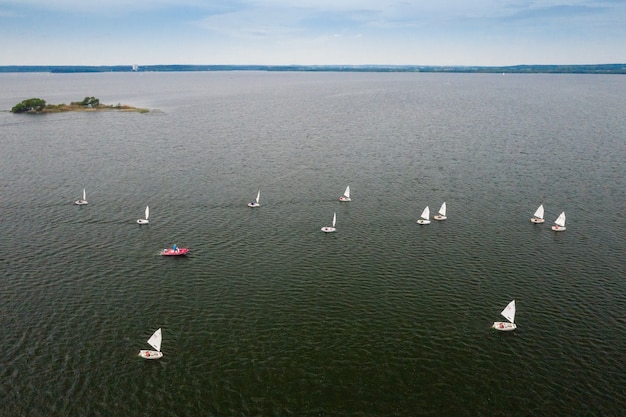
{"x": 37, "y": 105}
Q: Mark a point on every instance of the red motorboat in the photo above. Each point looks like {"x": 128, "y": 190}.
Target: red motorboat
{"x": 174, "y": 251}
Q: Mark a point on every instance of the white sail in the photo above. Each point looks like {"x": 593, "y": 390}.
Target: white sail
{"x": 560, "y": 220}
{"x": 426, "y": 213}
{"x": 442, "y": 209}
{"x": 147, "y": 212}
{"x": 84, "y": 194}
{"x": 258, "y": 196}
{"x": 347, "y": 192}
{"x": 334, "y": 219}
{"x": 155, "y": 340}
{"x": 509, "y": 312}
{"x": 539, "y": 213}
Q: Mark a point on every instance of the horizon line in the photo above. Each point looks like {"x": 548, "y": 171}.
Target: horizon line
{"x": 606, "y": 68}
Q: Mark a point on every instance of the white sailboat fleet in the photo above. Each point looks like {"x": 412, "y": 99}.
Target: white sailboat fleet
{"x": 442, "y": 212}
{"x": 155, "y": 342}
{"x": 509, "y": 314}
{"x": 82, "y": 201}
{"x": 509, "y": 311}
{"x": 346, "y": 195}
{"x": 256, "y": 202}
{"x": 147, "y": 214}
{"x": 559, "y": 223}
{"x": 329, "y": 229}
{"x": 538, "y": 216}
{"x": 425, "y": 217}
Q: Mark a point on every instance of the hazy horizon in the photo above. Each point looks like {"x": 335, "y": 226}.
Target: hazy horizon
{"x": 383, "y": 65}
{"x": 286, "y": 32}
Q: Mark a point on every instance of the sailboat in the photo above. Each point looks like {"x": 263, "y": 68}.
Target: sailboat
{"x": 329, "y": 229}
{"x": 155, "y": 342}
{"x": 538, "y": 216}
{"x": 346, "y": 195}
{"x": 147, "y": 214}
{"x": 83, "y": 200}
{"x": 442, "y": 213}
{"x": 559, "y": 223}
{"x": 256, "y": 203}
{"x": 509, "y": 314}
{"x": 425, "y": 216}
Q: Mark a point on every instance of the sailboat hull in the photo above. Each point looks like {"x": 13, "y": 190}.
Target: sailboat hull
{"x": 439, "y": 217}
{"x": 537, "y": 220}
{"x": 344, "y": 198}
{"x": 558, "y": 228}
{"x": 328, "y": 229}
{"x": 253, "y": 204}
{"x": 504, "y": 326}
{"x": 142, "y": 221}
{"x": 423, "y": 221}
{"x": 150, "y": 354}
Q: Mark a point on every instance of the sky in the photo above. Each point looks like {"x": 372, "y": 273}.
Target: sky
{"x": 312, "y": 32}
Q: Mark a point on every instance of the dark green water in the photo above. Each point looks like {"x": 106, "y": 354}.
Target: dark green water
{"x": 270, "y": 316}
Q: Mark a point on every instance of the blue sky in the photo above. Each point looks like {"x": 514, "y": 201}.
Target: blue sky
{"x": 282, "y": 32}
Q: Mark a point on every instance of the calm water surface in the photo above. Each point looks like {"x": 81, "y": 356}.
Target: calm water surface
{"x": 268, "y": 316}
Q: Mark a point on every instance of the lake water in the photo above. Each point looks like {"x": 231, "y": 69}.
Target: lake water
{"x": 268, "y": 316}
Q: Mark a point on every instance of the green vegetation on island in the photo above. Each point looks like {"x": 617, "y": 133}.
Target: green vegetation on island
{"x": 37, "y": 105}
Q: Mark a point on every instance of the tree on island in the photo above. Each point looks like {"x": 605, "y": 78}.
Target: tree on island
{"x": 36, "y": 104}
{"x": 89, "y": 102}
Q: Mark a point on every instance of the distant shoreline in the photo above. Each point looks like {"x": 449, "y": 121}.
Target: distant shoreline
{"x": 516, "y": 69}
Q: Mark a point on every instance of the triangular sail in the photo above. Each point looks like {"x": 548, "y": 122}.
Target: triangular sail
{"x": 147, "y": 212}
{"x": 509, "y": 312}
{"x": 258, "y": 196}
{"x": 442, "y": 210}
{"x": 84, "y": 194}
{"x": 560, "y": 220}
{"x": 155, "y": 340}
{"x": 334, "y": 219}
{"x": 426, "y": 213}
{"x": 539, "y": 212}
{"x": 347, "y": 192}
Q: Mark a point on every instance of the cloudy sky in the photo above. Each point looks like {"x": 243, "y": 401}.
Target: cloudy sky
{"x": 282, "y": 32}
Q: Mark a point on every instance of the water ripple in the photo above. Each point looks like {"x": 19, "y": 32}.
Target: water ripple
{"x": 267, "y": 315}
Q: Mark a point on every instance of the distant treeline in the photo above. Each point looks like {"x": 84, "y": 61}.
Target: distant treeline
{"x": 554, "y": 69}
